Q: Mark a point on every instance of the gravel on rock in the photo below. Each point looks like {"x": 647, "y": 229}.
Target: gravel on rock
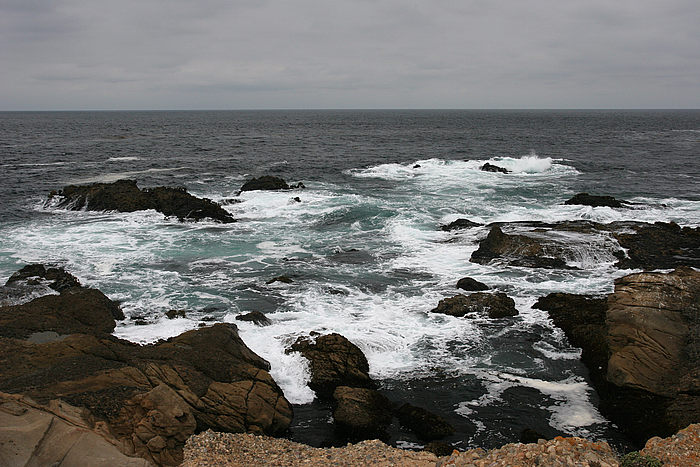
{"x": 681, "y": 449}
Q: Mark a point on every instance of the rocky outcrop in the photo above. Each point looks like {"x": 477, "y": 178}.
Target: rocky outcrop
{"x": 126, "y": 196}
{"x": 469, "y": 284}
{"x": 592, "y": 200}
{"x": 658, "y": 246}
{"x": 495, "y": 305}
{"x": 426, "y": 425}
{"x": 334, "y": 361}
{"x": 149, "y": 399}
{"x": 361, "y": 413}
{"x": 493, "y": 168}
{"x": 681, "y": 449}
{"x": 460, "y": 224}
{"x": 517, "y": 250}
{"x": 268, "y": 182}
{"x": 57, "y": 434}
{"x": 255, "y": 317}
{"x": 641, "y": 346}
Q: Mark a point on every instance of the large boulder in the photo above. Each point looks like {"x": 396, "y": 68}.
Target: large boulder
{"x": 495, "y": 305}
{"x": 426, "y": 425}
{"x": 641, "y": 348}
{"x": 518, "y": 250}
{"x": 268, "y": 182}
{"x": 126, "y": 196}
{"x": 361, "y": 413}
{"x": 149, "y": 398}
{"x": 459, "y": 224}
{"x": 592, "y": 200}
{"x": 469, "y": 284}
{"x": 334, "y": 361}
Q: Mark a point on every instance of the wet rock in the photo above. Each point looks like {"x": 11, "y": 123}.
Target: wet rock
{"x": 439, "y": 448}
{"x": 334, "y": 361}
{"x": 282, "y": 279}
{"x": 255, "y": 317}
{"x": 426, "y": 425}
{"x": 361, "y": 413}
{"x": 493, "y": 168}
{"x": 296, "y": 199}
{"x": 126, "y": 196}
{"x": 57, "y": 278}
{"x": 352, "y": 256}
{"x": 149, "y": 398}
{"x": 658, "y": 246}
{"x": 496, "y": 305}
{"x": 469, "y": 284}
{"x": 596, "y": 201}
{"x": 518, "y": 250}
{"x": 460, "y": 224}
{"x": 529, "y": 435}
{"x": 266, "y": 182}
{"x": 172, "y": 314}
{"x": 417, "y": 166}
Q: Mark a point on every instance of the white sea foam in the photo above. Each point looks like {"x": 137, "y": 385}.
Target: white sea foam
{"x": 123, "y": 159}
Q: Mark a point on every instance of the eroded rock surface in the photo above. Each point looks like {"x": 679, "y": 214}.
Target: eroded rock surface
{"x": 596, "y": 201}
{"x": 495, "y": 305}
{"x": 126, "y": 196}
{"x": 361, "y": 413}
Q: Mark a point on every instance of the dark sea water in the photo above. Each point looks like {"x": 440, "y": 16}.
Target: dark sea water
{"x": 363, "y": 246}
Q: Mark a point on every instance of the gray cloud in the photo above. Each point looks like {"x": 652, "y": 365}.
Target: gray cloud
{"x": 79, "y": 54}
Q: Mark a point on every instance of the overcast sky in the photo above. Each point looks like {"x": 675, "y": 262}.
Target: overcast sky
{"x": 249, "y": 54}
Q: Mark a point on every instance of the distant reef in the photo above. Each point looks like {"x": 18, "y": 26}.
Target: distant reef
{"x": 126, "y": 196}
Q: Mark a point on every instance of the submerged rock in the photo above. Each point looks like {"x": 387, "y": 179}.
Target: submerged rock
{"x": 255, "y": 317}
{"x": 469, "y": 284}
{"x": 148, "y": 399}
{"x": 334, "y": 361}
{"x": 460, "y": 224}
{"x": 495, "y": 305}
{"x": 426, "y": 425}
{"x": 493, "y": 168}
{"x": 361, "y": 413}
{"x": 172, "y": 314}
{"x": 268, "y": 182}
{"x": 126, "y": 196}
{"x": 592, "y": 200}
{"x": 282, "y": 279}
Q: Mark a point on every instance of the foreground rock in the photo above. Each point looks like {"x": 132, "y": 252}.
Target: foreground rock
{"x": 361, "y": 413}
{"x": 125, "y": 196}
{"x": 495, "y": 305}
{"x": 518, "y": 250}
{"x": 660, "y": 245}
{"x": 641, "y": 348}
{"x": 148, "y": 399}
{"x": 426, "y": 425}
{"x": 32, "y": 434}
{"x": 334, "y": 361}
{"x": 596, "y": 201}
{"x": 681, "y": 449}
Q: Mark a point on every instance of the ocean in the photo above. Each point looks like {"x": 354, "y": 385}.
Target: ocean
{"x": 363, "y": 247}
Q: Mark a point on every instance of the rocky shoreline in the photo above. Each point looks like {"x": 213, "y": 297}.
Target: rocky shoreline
{"x": 67, "y": 381}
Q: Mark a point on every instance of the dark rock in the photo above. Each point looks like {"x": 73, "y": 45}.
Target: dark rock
{"x": 439, "y": 448}
{"x": 530, "y": 436}
{"x": 361, "y": 413}
{"x": 417, "y": 166}
{"x": 58, "y": 278}
{"x": 283, "y": 279}
{"x": 426, "y": 425}
{"x": 592, "y": 200}
{"x": 172, "y": 314}
{"x": 496, "y": 305}
{"x": 299, "y": 185}
{"x": 518, "y": 250}
{"x": 459, "y": 224}
{"x": 150, "y": 398}
{"x": 352, "y": 256}
{"x": 266, "y": 182}
{"x": 469, "y": 284}
{"x": 125, "y": 196}
{"x": 230, "y": 201}
{"x": 334, "y": 361}
{"x": 659, "y": 246}
{"x": 493, "y": 168}
{"x": 296, "y": 199}
{"x": 255, "y": 317}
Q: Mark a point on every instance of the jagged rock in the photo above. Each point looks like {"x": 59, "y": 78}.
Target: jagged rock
{"x": 493, "y": 168}
{"x": 282, "y": 279}
{"x": 56, "y": 434}
{"x": 255, "y": 317}
{"x": 417, "y": 166}
{"x": 460, "y": 224}
{"x": 426, "y": 425}
{"x": 681, "y": 449}
{"x": 150, "y": 398}
{"x": 469, "y": 284}
{"x": 334, "y": 361}
{"x": 266, "y": 182}
{"x": 361, "y": 413}
{"x": 641, "y": 348}
{"x": 659, "y": 246}
{"x": 172, "y": 314}
{"x": 496, "y": 305}
{"x": 125, "y": 196}
{"x": 592, "y": 200}
{"x": 58, "y": 279}
{"x": 518, "y": 250}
